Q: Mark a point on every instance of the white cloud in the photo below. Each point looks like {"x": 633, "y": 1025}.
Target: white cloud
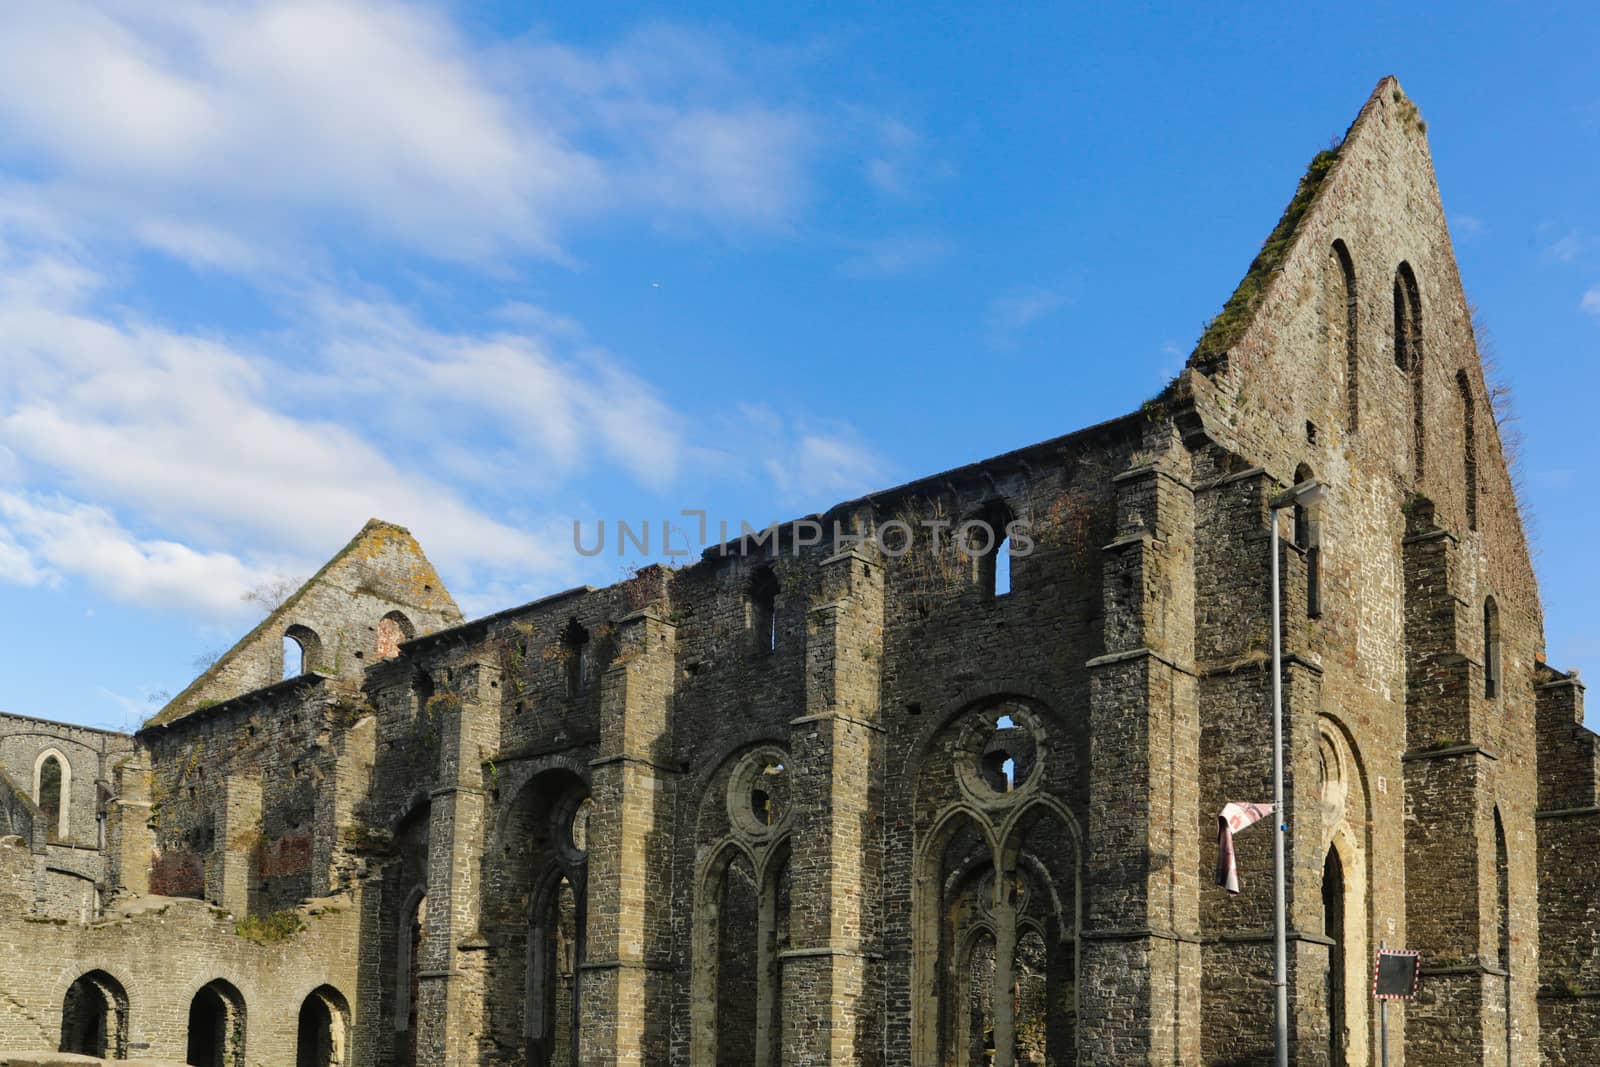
{"x": 17, "y": 566}
{"x": 811, "y": 463}
{"x": 893, "y": 257}
{"x": 203, "y": 438}
{"x": 899, "y": 163}
{"x": 559, "y": 410}
{"x": 207, "y": 130}
{"x": 1467, "y": 227}
{"x": 1566, "y": 248}
{"x": 1013, "y": 312}
{"x": 65, "y": 537}
{"x": 1591, "y": 301}
{"x": 177, "y": 466}
{"x": 110, "y": 423}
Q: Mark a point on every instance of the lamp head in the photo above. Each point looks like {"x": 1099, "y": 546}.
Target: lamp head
{"x": 1308, "y": 494}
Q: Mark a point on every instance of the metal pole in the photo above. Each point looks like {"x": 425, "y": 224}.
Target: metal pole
{"x": 1383, "y": 1022}
{"x": 1280, "y": 980}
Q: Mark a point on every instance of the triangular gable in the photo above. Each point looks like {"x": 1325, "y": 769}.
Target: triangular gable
{"x": 340, "y": 612}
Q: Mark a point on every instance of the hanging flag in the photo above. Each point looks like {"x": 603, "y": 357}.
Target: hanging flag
{"x": 1235, "y": 817}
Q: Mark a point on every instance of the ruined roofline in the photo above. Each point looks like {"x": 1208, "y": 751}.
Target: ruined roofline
{"x": 1210, "y": 355}
{"x": 1019, "y": 458}
{"x": 462, "y": 629}
{"x": 174, "y": 710}
{"x": 199, "y": 714}
{"x": 1232, "y": 323}
{"x": 57, "y": 723}
{"x": 1550, "y": 677}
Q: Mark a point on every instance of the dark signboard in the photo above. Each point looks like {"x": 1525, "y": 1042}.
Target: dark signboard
{"x": 1395, "y": 976}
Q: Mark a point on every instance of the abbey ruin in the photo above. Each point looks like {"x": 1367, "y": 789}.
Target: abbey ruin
{"x": 794, "y": 806}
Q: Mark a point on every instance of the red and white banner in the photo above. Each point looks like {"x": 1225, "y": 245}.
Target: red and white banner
{"x": 1235, "y": 817}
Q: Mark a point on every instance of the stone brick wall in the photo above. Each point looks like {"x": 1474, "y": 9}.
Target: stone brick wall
{"x": 88, "y": 754}
{"x": 808, "y": 803}
{"x": 161, "y": 953}
{"x": 344, "y": 617}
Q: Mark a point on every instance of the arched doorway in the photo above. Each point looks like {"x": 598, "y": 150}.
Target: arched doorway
{"x": 94, "y": 1017}
{"x": 216, "y": 1027}
{"x": 404, "y": 919}
{"x": 1342, "y": 795}
{"x": 1333, "y": 927}
{"x": 543, "y": 854}
{"x": 556, "y": 957}
{"x": 321, "y": 1033}
{"x": 413, "y": 932}
{"x": 741, "y": 911}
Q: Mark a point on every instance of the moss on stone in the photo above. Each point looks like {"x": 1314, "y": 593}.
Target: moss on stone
{"x": 265, "y": 929}
{"x": 1224, "y": 331}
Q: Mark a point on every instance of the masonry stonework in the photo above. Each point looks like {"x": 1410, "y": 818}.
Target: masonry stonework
{"x": 861, "y": 802}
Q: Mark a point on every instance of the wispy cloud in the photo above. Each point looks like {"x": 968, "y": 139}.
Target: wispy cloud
{"x": 895, "y": 256}
{"x": 812, "y": 463}
{"x": 63, "y": 537}
{"x": 899, "y": 160}
{"x": 1466, "y": 227}
{"x": 1566, "y": 249}
{"x": 130, "y": 447}
{"x": 212, "y": 131}
{"x": 1591, "y": 302}
{"x": 1014, "y": 312}
{"x": 215, "y": 439}
{"x": 176, "y": 464}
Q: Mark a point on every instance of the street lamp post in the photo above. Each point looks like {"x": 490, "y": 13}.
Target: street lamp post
{"x": 1307, "y": 494}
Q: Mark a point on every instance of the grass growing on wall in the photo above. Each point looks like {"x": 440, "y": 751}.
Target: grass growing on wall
{"x": 267, "y": 929}
{"x": 1224, "y": 331}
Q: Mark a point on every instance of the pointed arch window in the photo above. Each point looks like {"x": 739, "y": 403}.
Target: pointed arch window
{"x": 94, "y": 1017}
{"x": 302, "y": 649}
{"x": 411, "y": 933}
{"x": 1342, "y": 324}
{"x": 1308, "y": 535}
{"x": 1408, "y": 349}
{"x": 1469, "y": 447}
{"x": 575, "y": 643}
{"x": 1491, "y": 649}
{"x": 52, "y": 791}
{"x": 393, "y": 629}
{"x": 763, "y": 611}
{"x": 988, "y": 544}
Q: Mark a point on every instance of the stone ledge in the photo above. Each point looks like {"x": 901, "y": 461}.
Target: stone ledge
{"x": 639, "y": 761}
{"x": 806, "y": 720}
{"x": 1429, "y": 535}
{"x": 1567, "y": 813}
{"x": 1448, "y": 753}
{"x": 1463, "y": 968}
{"x": 1569, "y": 682}
{"x": 1131, "y": 654}
{"x": 1142, "y": 537}
{"x": 1150, "y": 470}
{"x": 1229, "y": 479}
{"x": 69, "y": 1059}
{"x": 1264, "y": 937}
{"x": 1138, "y": 933}
{"x": 815, "y": 953}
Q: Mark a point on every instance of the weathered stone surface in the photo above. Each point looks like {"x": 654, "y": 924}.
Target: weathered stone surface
{"x": 814, "y": 803}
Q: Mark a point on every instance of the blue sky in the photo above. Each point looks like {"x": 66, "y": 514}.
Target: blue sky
{"x": 270, "y": 268}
